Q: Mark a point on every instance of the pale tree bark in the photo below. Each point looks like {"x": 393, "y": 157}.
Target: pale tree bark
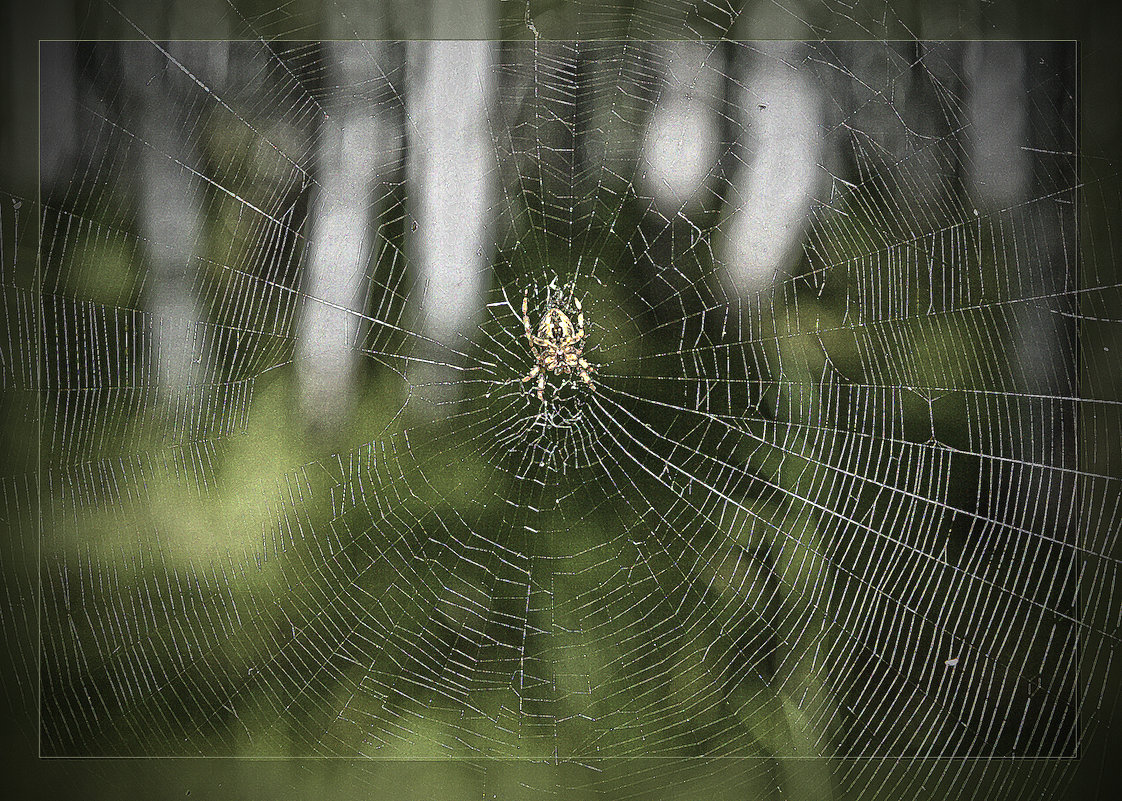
{"x": 779, "y": 107}
{"x": 161, "y": 78}
{"x": 682, "y": 140}
{"x": 451, "y": 184}
{"x": 359, "y": 143}
{"x": 451, "y": 177}
{"x": 171, "y": 195}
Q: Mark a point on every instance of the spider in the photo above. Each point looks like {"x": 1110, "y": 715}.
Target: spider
{"x": 557, "y": 345}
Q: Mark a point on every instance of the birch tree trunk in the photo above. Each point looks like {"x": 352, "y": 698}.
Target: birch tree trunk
{"x": 358, "y": 144}
{"x": 452, "y": 179}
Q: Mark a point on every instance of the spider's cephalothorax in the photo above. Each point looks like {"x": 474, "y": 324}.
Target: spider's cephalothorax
{"x": 557, "y": 345}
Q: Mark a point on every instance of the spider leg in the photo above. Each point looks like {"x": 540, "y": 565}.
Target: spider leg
{"x": 585, "y": 370}
{"x": 568, "y": 342}
{"x": 580, "y": 319}
{"x": 541, "y": 387}
{"x": 526, "y": 315}
{"x": 530, "y": 376}
{"x": 585, "y": 377}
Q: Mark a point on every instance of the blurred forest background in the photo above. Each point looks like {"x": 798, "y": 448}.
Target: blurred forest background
{"x": 401, "y": 204}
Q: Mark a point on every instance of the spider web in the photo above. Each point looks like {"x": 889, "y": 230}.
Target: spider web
{"x": 835, "y": 512}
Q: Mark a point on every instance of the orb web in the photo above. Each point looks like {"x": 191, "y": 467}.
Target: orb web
{"x": 813, "y": 517}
